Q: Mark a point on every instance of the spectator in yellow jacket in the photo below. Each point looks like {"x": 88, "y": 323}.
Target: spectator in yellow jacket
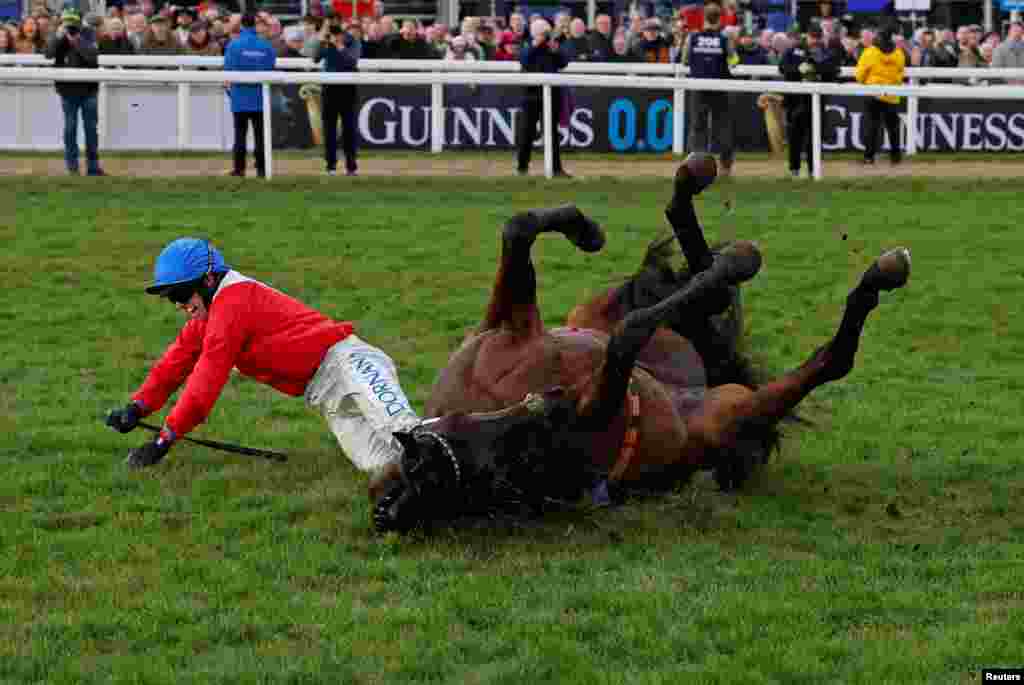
{"x": 882, "y": 64}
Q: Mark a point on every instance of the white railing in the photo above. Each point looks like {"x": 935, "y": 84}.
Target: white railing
{"x": 440, "y": 73}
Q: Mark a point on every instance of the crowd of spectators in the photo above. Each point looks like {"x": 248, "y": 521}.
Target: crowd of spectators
{"x": 206, "y": 30}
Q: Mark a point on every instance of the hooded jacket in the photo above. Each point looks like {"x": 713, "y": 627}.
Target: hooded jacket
{"x": 882, "y": 65}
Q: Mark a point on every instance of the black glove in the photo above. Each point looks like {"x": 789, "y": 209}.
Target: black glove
{"x": 150, "y": 454}
{"x": 125, "y": 420}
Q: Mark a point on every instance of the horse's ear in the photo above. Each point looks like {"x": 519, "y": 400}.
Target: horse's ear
{"x": 406, "y": 440}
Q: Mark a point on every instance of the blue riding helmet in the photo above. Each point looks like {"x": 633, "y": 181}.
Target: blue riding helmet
{"x": 184, "y": 260}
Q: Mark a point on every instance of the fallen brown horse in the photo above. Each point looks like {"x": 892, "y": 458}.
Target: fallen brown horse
{"x": 525, "y": 417}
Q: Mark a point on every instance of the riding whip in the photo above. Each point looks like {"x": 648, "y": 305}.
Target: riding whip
{"x": 226, "y": 447}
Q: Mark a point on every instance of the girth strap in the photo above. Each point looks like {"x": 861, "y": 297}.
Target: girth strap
{"x": 632, "y": 435}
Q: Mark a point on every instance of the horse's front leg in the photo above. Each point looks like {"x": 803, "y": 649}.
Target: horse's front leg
{"x": 513, "y": 303}
{"x": 737, "y": 263}
{"x": 695, "y": 174}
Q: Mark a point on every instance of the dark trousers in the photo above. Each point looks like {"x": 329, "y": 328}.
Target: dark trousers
{"x": 798, "y": 133}
{"x": 533, "y": 111}
{"x": 711, "y": 124}
{"x": 339, "y": 101}
{"x": 72, "y": 105}
{"x": 876, "y": 113}
{"x": 242, "y": 121}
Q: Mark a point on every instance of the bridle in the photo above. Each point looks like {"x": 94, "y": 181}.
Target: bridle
{"x": 446, "y": 447}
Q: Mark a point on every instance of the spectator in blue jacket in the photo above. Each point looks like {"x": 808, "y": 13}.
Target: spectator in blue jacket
{"x": 248, "y": 52}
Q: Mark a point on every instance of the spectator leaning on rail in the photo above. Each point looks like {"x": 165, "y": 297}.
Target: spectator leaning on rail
{"x": 540, "y": 56}
{"x": 601, "y": 37}
{"x": 812, "y": 61}
{"x": 6, "y": 41}
{"x": 1010, "y": 53}
{"x": 882, "y": 64}
{"x": 248, "y": 52}
{"x": 114, "y": 40}
{"x": 159, "y": 39}
{"x": 709, "y": 56}
{"x": 75, "y": 48}
{"x": 29, "y": 39}
{"x": 200, "y": 42}
{"x": 235, "y": 322}
{"x": 339, "y": 53}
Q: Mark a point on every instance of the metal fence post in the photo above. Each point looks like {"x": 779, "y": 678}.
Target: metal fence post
{"x": 268, "y": 134}
{"x": 19, "y": 115}
{"x": 678, "y": 114}
{"x": 549, "y": 152}
{"x": 436, "y": 118}
{"x": 816, "y": 134}
{"x": 184, "y": 115}
{"x": 912, "y": 104}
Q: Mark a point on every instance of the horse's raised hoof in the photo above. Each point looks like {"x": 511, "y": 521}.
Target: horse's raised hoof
{"x": 697, "y": 172}
{"x": 890, "y": 271}
{"x": 741, "y": 261}
{"x": 581, "y": 231}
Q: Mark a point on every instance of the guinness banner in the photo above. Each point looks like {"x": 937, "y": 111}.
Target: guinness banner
{"x": 603, "y": 120}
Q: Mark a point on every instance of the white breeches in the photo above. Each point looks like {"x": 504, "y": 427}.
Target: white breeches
{"x": 356, "y": 390}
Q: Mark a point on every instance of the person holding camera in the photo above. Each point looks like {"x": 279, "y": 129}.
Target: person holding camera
{"x": 75, "y": 48}
{"x": 339, "y": 52}
{"x": 540, "y": 55}
{"x": 248, "y": 52}
{"x": 810, "y": 61}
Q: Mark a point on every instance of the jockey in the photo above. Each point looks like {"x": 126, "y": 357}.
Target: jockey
{"x": 238, "y": 322}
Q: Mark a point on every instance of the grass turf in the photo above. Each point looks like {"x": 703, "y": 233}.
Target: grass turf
{"x": 881, "y": 546}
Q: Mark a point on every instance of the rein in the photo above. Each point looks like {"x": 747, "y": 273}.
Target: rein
{"x": 631, "y": 437}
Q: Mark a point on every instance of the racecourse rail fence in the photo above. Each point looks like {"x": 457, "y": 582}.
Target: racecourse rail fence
{"x": 20, "y": 70}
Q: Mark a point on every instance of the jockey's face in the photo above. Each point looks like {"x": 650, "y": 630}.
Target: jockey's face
{"x": 194, "y": 308}
{"x": 188, "y": 298}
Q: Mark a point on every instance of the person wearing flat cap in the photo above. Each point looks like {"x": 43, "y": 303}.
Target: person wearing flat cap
{"x": 75, "y": 47}
{"x": 237, "y": 322}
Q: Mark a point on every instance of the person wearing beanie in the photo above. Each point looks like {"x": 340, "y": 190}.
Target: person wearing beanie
{"x": 882, "y": 64}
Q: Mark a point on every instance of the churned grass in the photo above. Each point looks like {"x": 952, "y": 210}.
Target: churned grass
{"x": 882, "y": 545}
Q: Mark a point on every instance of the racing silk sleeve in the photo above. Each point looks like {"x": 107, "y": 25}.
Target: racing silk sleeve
{"x": 226, "y": 332}
{"x": 173, "y": 368}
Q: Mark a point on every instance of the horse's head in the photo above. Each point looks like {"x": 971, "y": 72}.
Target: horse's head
{"x": 521, "y": 457}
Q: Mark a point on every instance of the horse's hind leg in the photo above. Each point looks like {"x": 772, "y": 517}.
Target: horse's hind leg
{"x": 730, "y": 409}
{"x": 513, "y": 301}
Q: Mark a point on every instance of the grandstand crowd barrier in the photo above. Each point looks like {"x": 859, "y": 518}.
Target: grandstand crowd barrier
{"x": 20, "y": 71}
